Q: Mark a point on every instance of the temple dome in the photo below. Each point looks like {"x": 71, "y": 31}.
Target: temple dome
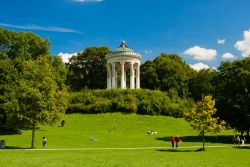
{"x": 123, "y": 51}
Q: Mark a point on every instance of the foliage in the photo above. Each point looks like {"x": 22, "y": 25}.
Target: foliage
{"x": 128, "y": 101}
{"x": 202, "y": 84}
{"x": 88, "y": 69}
{"x": 201, "y": 117}
{"x": 36, "y": 96}
{"x": 232, "y": 93}
{"x": 166, "y": 72}
{"x": 21, "y": 45}
{"x": 16, "y": 47}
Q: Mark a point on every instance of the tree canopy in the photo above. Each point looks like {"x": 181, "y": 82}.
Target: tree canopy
{"x": 36, "y": 96}
{"x": 232, "y": 93}
{"x": 21, "y": 45}
{"x": 166, "y": 72}
{"x": 32, "y": 88}
{"x": 88, "y": 69}
{"x": 202, "y": 117}
{"x": 202, "y": 84}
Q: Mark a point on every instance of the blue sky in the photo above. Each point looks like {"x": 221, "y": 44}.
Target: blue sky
{"x": 200, "y": 31}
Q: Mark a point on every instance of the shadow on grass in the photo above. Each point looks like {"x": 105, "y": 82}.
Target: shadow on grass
{"x": 223, "y": 139}
{"x": 16, "y": 131}
{"x": 180, "y": 150}
{"x": 15, "y": 147}
{"x": 242, "y": 147}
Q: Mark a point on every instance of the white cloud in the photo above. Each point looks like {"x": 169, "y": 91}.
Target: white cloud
{"x": 85, "y": 1}
{"x": 199, "y": 53}
{"x": 148, "y": 52}
{"x": 36, "y": 27}
{"x": 244, "y": 45}
{"x": 66, "y": 56}
{"x": 199, "y": 66}
{"x": 228, "y": 56}
{"x": 221, "y": 41}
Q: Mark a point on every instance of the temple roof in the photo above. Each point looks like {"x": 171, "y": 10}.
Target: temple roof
{"x": 123, "y": 52}
{"x": 123, "y": 48}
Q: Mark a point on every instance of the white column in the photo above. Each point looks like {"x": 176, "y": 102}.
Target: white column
{"x": 113, "y": 75}
{"x": 108, "y": 77}
{"x": 138, "y": 76}
{"x": 125, "y": 79}
{"x": 122, "y": 75}
{"x": 132, "y": 76}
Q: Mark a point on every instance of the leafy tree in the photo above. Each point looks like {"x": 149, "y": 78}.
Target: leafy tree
{"x": 167, "y": 72}
{"x": 202, "y": 117}
{"x": 36, "y": 98}
{"x": 202, "y": 84}
{"x": 88, "y": 69}
{"x": 149, "y": 77}
{"x": 232, "y": 93}
{"x": 15, "y": 47}
{"x": 21, "y": 45}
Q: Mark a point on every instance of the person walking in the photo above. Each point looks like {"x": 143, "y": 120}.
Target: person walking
{"x": 44, "y": 142}
{"x": 177, "y": 140}
{"x": 172, "y": 140}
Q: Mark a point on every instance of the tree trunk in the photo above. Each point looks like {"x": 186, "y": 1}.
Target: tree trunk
{"x": 203, "y": 140}
{"x": 33, "y": 135}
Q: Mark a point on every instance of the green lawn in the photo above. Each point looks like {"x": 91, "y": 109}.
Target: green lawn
{"x": 121, "y": 131}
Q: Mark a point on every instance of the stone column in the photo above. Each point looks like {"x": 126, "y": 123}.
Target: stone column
{"x": 113, "y": 76}
{"x": 138, "y": 76}
{"x": 108, "y": 77}
{"x": 132, "y": 76}
{"x": 125, "y": 79}
{"x": 122, "y": 75}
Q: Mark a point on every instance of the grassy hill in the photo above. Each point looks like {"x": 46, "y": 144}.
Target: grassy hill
{"x": 114, "y": 130}
{"x": 121, "y": 131}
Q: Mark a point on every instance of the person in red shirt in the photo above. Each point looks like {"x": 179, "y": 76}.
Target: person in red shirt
{"x": 177, "y": 140}
{"x": 172, "y": 140}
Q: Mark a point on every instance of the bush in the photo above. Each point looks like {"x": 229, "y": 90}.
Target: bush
{"x": 150, "y": 102}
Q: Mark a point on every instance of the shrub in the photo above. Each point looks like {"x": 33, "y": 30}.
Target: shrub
{"x": 150, "y": 102}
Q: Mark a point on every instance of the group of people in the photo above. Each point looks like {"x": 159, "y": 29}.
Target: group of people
{"x": 151, "y": 132}
{"x": 175, "y": 140}
{"x": 239, "y": 140}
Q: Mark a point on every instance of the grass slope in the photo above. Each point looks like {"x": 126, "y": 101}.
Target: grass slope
{"x": 121, "y": 130}
{"x": 113, "y": 130}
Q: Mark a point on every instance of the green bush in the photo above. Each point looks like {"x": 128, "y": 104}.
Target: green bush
{"x": 150, "y": 102}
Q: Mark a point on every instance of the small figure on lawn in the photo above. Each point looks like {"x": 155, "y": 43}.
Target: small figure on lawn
{"x": 44, "y": 142}
{"x": 62, "y": 123}
{"x": 172, "y": 140}
{"x": 177, "y": 140}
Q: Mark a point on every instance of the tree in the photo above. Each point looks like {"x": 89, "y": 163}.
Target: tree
{"x": 202, "y": 84}
{"x": 16, "y": 47}
{"x": 88, "y": 69}
{"x": 21, "y": 45}
{"x": 232, "y": 93}
{"x": 37, "y": 97}
{"x": 149, "y": 77}
{"x": 202, "y": 118}
{"x": 166, "y": 72}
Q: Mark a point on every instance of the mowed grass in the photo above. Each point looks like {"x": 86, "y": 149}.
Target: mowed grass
{"x": 212, "y": 157}
{"x": 113, "y": 130}
{"x": 121, "y": 131}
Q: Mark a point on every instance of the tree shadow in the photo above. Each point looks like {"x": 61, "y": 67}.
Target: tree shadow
{"x": 179, "y": 150}
{"x": 223, "y": 139}
{"x": 242, "y": 147}
{"x": 15, "y": 147}
{"x": 16, "y": 131}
